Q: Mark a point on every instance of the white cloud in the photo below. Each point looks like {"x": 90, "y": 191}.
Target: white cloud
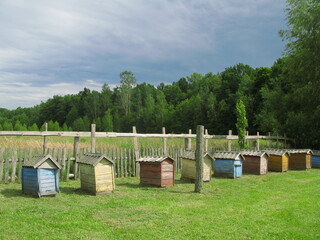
{"x": 49, "y": 44}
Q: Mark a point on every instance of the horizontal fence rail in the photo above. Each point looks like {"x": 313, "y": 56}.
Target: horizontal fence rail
{"x": 138, "y": 135}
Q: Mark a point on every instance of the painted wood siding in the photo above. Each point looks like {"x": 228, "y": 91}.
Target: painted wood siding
{"x": 98, "y": 179}
{"x": 237, "y": 168}
{"x": 188, "y": 169}
{"x": 48, "y": 184}
{"x": 255, "y": 165}
{"x": 316, "y": 161}
{"x": 167, "y": 173}
{"x": 30, "y": 180}
{"x": 299, "y": 161}
{"x": 278, "y": 163}
{"x": 224, "y": 168}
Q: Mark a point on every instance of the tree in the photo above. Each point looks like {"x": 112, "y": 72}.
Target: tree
{"x": 302, "y": 113}
{"x": 33, "y": 127}
{"x": 242, "y": 123}
{"x": 107, "y": 122}
{"x": 127, "y": 81}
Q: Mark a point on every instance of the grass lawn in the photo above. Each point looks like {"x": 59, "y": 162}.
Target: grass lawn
{"x": 275, "y": 206}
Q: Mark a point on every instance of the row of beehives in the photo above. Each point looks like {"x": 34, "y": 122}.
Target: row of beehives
{"x": 40, "y": 175}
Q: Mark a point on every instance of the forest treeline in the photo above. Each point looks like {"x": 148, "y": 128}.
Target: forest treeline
{"x": 282, "y": 99}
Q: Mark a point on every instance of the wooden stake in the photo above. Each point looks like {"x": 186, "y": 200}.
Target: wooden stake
{"x": 93, "y": 138}
{"x": 45, "y": 139}
{"x": 75, "y": 154}
{"x": 199, "y": 159}
{"x": 206, "y": 141}
{"x": 229, "y": 141}
{"x": 164, "y": 142}
{"x": 258, "y": 141}
{"x": 136, "y": 151}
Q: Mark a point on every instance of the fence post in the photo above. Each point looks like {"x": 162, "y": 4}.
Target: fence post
{"x": 269, "y": 141}
{"x": 45, "y": 138}
{"x": 199, "y": 159}
{"x": 206, "y": 140}
{"x": 93, "y": 138}
{"x": 258, "y": 141}
{"x": 229, "y": 141}
{"x": 246, "y": 139}
{"x": 136, "y": 151}
{"x": 187, "y": 142}
{"x": 164, "y": 142}
{"x": 75, "y": 154}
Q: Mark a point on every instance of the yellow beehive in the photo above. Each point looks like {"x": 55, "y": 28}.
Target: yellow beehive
{"x": 278, "y": 160}
{"x": 188, "y": 170}
{"x": 96, "y": 173}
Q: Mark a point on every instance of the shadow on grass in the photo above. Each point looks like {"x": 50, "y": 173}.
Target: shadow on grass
{"x": 11, "y": 193}
{"x": 71, "y": 190}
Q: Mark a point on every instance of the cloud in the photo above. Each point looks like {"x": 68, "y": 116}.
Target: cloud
{"x": 50, "y": 43}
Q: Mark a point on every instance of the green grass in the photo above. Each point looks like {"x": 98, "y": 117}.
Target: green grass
{"x": 275, "y": 206}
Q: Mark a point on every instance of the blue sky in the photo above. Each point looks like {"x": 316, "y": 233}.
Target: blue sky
{"x": 59, "y": 47}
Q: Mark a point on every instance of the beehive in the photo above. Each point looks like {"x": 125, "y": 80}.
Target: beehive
{"x": 40, "y": 176}
{"x": 96, "y": 173}
{"x": 228, "y": 164}
{"x": 255, "y": 162}
{"x": 278, "y": 160}
{"x": 315, "y": 162}
{"x": 157, "y": 171}
{"x": 188, "y": 168}
{"x": 299, "y": 159}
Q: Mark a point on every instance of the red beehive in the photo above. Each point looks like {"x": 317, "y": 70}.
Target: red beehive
{"x": 157, "y": 171}
{"x": 255, "y": 162}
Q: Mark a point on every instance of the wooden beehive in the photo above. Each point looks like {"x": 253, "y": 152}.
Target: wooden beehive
{"x": 157, "y": 171}
{"x": 315, "y": 162}
{"x": 278, "y": 160}
{"x": 228, "y": 164}
{"x": 188, "y": 168}
{"x": 299, "y": 159}
{"x": 255, "y": 162}
{"x": 40, "y": 176}
{"x": 96, "y": 173}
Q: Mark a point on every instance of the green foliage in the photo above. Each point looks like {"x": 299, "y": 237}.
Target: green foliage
{"x": 242, "y": 123}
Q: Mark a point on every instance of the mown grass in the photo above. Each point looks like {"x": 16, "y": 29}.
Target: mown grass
{"x": 275, "y": 206}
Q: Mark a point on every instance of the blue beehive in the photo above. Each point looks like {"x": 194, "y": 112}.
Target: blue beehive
{"x": 40, "y": 176}
{"x": 228, "y": 164}
{"x": 316, "y": 159}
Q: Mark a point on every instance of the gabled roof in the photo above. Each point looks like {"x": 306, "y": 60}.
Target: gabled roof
{"x": 253, "y": 153}
{"x": 228, "y": 155}
{"x": 316, "y": 152}
{"x": 93, "y": 158}
{"x": 37, "y": 160}
{"x": 306, "y": 151}
{"x": 192, "y": 155}
{"x": 154, "y": 159}
{"x": 277, "y": 152}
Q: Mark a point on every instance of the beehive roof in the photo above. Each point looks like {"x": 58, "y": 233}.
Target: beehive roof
{"x": 192, "y": 155}
{"x": 316, "y": 152}
{"x": 37, "y": 160}
{"x": 253, "y": 153}
{"x": 306, "y": 151}
{"x": 228, "y": 155}
{"x": 154, "y": 159}
{"x": 277, "y": 152}
{"x": 93, "y": 158}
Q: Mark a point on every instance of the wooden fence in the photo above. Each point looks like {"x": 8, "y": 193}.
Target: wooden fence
{"x": 12, "y": 160}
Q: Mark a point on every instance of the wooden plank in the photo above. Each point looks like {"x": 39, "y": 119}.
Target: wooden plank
{"x": 93, "y": 138}
{"x": 1, "y": 164}
{"x": 6, "y": 173}
{"x": 125, "y": 162}
{"x": 121, "y": 163}
{"x": 64, "y": 174}
{"x": 14, "y": 165}
{"x": 68, "y": 163}
{"x": 136, "y": 150}
{"x": 20, "y": 159}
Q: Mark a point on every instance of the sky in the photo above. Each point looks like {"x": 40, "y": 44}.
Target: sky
{"x": 59, "y": 47}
